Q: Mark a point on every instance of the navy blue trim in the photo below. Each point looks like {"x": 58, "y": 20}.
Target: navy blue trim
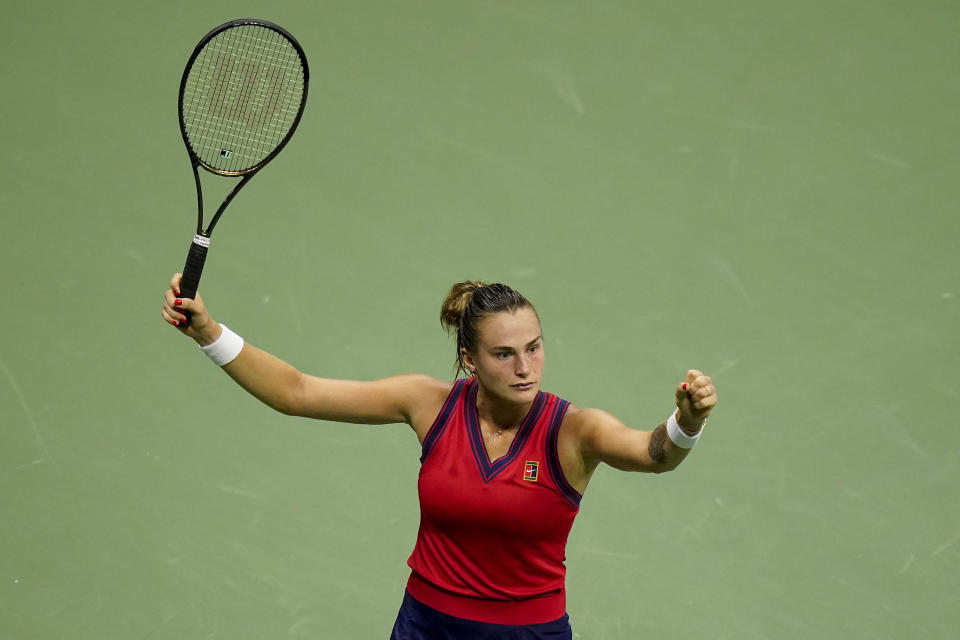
{"x": 489, "y": 470}
{"x": 553, "y": 458}
{"x": 440, "y": 423}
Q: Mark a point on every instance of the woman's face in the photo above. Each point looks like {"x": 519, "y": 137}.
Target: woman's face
{"x": 508, "y": 360}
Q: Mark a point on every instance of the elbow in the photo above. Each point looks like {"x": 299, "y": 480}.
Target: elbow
{"x": 293, "y": 409}
{"x": 664, "y": 467}
{"x": 285, "y": 409}
{"x": 284, "y": 405}
{"x": 290, "y": 401}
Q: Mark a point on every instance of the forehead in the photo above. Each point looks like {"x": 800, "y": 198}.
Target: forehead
{"x": 509, "y": 328}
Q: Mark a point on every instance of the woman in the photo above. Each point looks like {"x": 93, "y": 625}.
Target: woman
{"x": 504, "y": 464}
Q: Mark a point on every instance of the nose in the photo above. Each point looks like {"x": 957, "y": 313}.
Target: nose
{"x": 522, "y": 369}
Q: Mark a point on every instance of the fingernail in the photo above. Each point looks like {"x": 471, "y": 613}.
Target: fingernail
{"x": 175, "y": 323}
{"x": 179, "y": 302}
{"x": 684, "y": 386}
{"x": 176, "y": 292}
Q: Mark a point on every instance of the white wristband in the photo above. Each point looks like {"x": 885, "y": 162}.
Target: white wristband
{"x": 225, "y": 348}
{"x": 677, "y": 436}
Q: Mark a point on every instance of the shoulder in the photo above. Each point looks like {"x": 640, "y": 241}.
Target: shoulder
{"x": 422, "y": 382}
{"x": 580, "y": 429}
{"x": 420, "y": 389}
{"x": 583, "y": 420}
{"x": 588, "y": 429}
{"x": 426, "y": 396}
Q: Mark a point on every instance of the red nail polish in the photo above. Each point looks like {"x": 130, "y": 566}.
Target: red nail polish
{"x": 179, "y": 302}
{"x": 176, "y": 292}
{"x": 684, "y": 386}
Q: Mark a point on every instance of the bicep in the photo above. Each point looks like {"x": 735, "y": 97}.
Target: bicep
{"x": 604, "y": 438}
{"x": 390, "y": 400}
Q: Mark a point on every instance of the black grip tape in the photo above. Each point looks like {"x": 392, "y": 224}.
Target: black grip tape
{"x": 191, "y": 272}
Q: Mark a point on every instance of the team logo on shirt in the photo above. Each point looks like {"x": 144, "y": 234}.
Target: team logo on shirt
{"x": 531, "y": 471}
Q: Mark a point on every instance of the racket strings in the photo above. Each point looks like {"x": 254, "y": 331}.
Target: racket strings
{"x": 243, "y": 95}
{"x": 234, "y": 108}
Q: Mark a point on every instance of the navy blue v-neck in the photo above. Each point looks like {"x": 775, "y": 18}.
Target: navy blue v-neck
{"x": 489, "y": 470}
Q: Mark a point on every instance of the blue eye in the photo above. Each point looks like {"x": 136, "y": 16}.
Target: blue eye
{"x": 502, "y": 355}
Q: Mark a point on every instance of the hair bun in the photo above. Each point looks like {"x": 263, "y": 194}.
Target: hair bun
{"x": 456, "y": 302}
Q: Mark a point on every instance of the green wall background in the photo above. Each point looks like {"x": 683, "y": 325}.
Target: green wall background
{"x": 763, "y": 190}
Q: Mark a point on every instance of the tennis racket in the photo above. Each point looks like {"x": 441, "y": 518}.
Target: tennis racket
{"x": 241, "y": 97}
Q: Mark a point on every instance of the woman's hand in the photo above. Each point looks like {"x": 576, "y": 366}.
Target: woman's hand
{"x": 200, "y": 326}
{"x": 696, "y": 397}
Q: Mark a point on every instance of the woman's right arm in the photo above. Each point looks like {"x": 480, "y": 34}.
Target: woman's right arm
{"x": 413, "y": 399}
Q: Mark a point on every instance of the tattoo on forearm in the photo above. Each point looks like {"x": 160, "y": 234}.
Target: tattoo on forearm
{"x": 657, "y": 439}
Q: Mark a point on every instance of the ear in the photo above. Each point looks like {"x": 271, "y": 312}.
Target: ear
{"x": 468, "y": 360}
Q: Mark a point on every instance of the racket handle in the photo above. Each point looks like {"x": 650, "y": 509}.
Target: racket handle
{"x": 193, "y": 268}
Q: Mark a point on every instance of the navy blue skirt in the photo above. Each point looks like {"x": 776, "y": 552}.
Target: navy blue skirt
{"x": 417, "y": 621}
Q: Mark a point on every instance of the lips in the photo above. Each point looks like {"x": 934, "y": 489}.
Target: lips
{"x": 524, "y": 386}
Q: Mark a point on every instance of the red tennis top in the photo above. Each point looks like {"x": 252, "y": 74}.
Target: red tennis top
{"x": 492, "y": 539}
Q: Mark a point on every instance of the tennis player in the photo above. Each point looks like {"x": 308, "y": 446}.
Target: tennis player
{"x": 504, "y": 464}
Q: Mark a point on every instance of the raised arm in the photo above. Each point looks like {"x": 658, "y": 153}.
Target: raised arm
{"x": 413, "y": 399}
{"x": 603, "y": 438}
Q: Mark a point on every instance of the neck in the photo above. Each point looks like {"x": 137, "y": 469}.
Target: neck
{"x": 500, "y": 414}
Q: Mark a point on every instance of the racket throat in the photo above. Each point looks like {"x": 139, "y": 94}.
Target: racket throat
{"x": 196, "y": 179}
{"x": 227, "y": 200}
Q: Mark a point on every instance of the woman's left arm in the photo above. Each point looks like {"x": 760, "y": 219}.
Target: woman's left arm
{"x": 603, "y": 438}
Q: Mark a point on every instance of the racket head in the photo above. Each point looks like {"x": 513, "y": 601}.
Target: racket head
{"x": 241, "y": 97}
